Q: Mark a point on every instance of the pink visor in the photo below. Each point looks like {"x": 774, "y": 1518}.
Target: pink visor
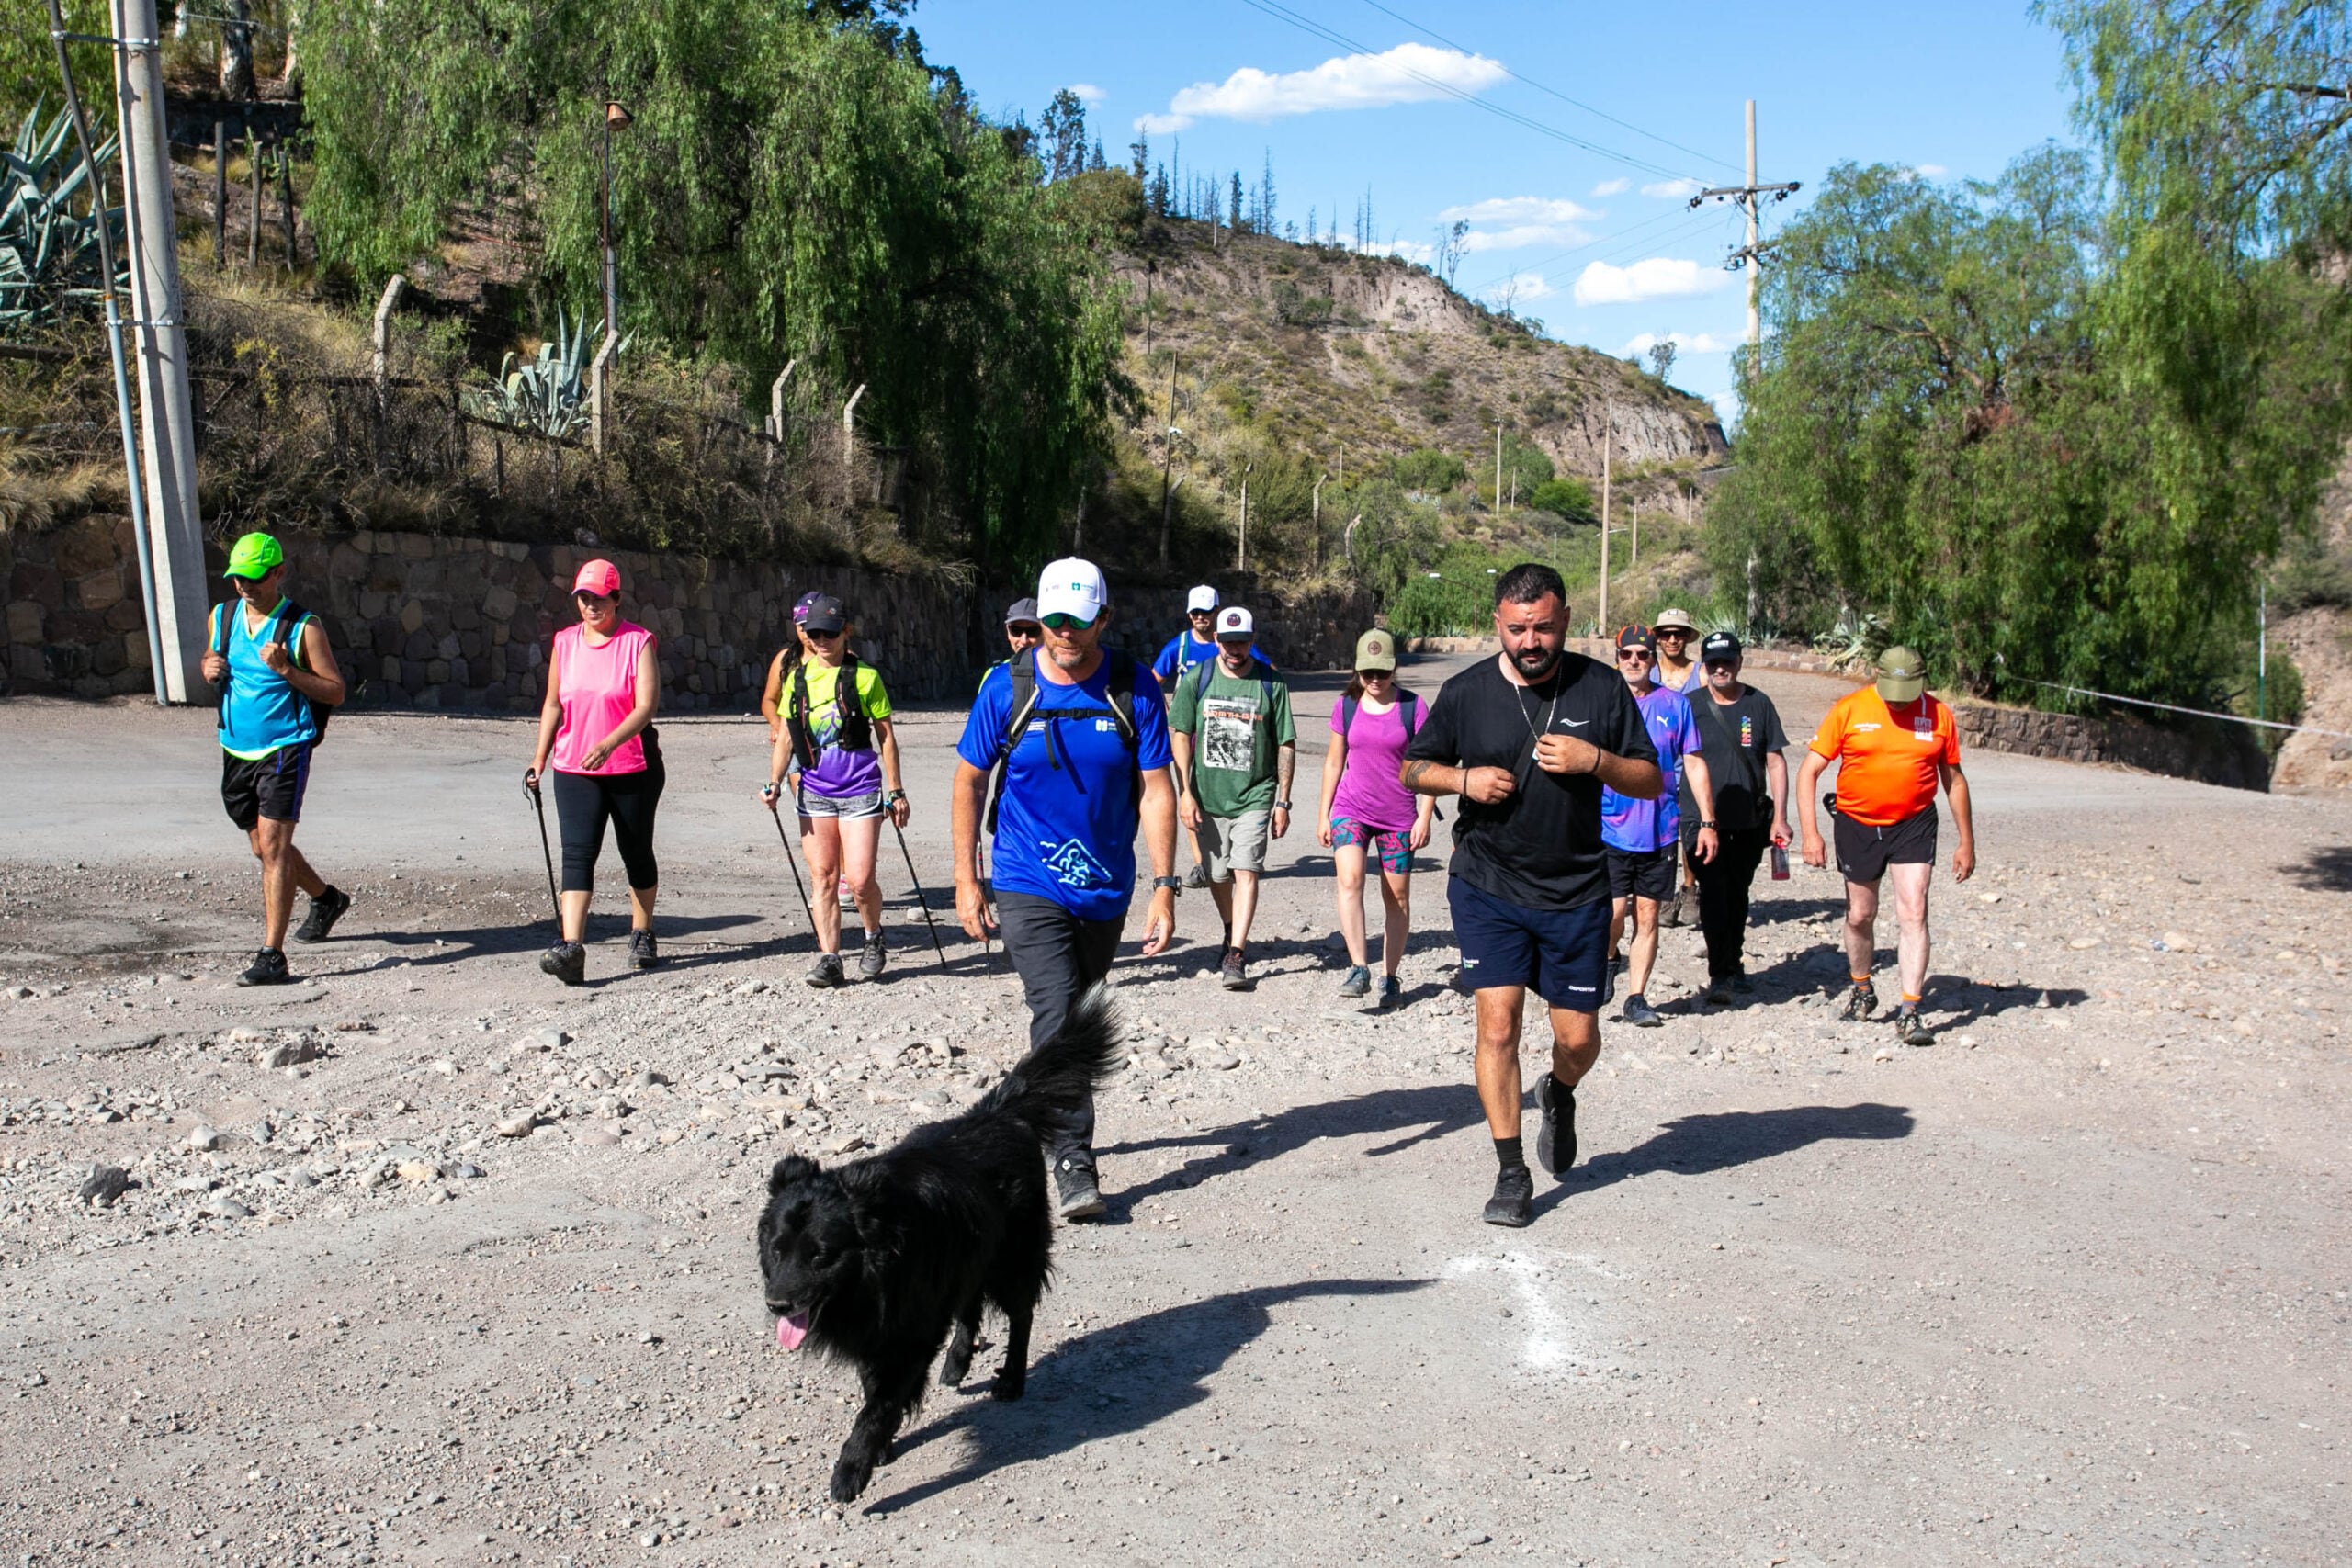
{"x": 601, "y": 578}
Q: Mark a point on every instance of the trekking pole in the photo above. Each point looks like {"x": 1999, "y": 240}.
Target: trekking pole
{"x": 920, "y": 897}
{"x": 791, "y": 861}
{"x": 539, "y": 809}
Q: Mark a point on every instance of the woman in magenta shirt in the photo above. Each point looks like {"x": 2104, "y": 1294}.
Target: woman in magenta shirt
{"x": 596, "y": 730}
{"x": 1366, "y": 811}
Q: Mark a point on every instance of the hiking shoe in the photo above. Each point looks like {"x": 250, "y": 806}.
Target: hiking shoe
{"x": 1910, "y": 1029}
{"x": 827, "y": 972}
{"x": 1741, "y": 986}
{"x": 845, "y": 895}
{"x": 872, "y": 956}
{"x": 1719, "y": 992}
{"x": 325, "y": 910}
{"x": 1358, "y": 982}
{"x": 1860, "y": 1003}
{"x": 1074, "y": 1184}
{"x": 1233, "y": 974}
{"x": 643, "y": 952}
{"x": 568, "y": 962}
{"x": 1198, "y": 877}
{"x": 1391, "y": 993}
{"x": 1639, "y": 1012}
{"x": 1556, "y": 1141}
{"x": 1514, "y": 1193}
{"x": 268, "y": 968}
{"x": 1671, "y": 913}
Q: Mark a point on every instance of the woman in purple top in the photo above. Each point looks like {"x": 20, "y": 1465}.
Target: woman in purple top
{"x": 1366, "y": 811}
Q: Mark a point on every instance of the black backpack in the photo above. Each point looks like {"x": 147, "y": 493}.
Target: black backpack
{"x": 290, "y": 616}
{"x": 857, "y": 729}
{"x": 1121, "y": 713}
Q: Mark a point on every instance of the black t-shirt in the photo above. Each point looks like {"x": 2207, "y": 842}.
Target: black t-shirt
{"x": 1541, "y": 848}
{"x": 1735, "y": 739}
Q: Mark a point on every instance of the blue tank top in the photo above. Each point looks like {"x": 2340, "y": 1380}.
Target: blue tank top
{"x": 260, "y": 710}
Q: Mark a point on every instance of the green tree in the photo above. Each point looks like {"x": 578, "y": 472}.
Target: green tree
{"x": 1569, "y": 498}
{"x": 1429, "y": 471}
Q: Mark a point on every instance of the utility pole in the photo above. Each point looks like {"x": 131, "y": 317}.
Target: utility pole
{"x": 1241, "y": 542}
{"x": 1167, "y": 459}
{"x": 617, "y": 117}
{"x": 1751, "y": 254}
{"x": 1499, "y": 470}
{"x": 1608, "y": 444}
{"x": 166, "y": 423}
{"x": 1320, "y": 480}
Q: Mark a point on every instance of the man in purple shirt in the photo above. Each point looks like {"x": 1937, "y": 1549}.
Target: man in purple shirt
{"x": 1641, "y": 837}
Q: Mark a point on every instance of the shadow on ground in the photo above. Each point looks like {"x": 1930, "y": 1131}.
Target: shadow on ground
{"x": 1704, "y": 1144}
{"x": 1418, "y": 1115}
{"x": 2325, "y": 870}
{"x": 1111, "y": 1380}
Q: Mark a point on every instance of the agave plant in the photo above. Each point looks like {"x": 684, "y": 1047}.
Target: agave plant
{"x": 49, "y": 253}
{"x": 1855, "y": 639}
{"x": 549, "y": 395}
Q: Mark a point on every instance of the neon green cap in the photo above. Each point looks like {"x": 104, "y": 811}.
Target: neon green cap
{"x": 254, "y": 556}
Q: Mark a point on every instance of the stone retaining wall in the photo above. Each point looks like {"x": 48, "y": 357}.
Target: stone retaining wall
{"x": 2204, "y": 749}
{"x": 424, "y": 621}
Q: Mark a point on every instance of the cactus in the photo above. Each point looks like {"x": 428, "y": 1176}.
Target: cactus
{"x": 548, "y": 396}
{"x": 49, "y": 253}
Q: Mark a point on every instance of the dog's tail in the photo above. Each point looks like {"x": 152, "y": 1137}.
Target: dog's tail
{"x": 1054, "y": 1080}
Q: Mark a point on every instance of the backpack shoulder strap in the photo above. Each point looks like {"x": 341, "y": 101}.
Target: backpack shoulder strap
{"x": 1122, "y": 688}
{"x": 1408, "y": 703}
{"x": 1347, "y": 715}
{"x": 285, "y": 628}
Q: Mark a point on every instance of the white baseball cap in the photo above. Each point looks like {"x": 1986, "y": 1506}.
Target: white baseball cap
{"x": 1234, "y": 622}
{"x": 1071, "y": 587}
{"x": 1202, "y": 598}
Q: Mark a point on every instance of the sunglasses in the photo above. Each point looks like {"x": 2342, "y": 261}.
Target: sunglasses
{"x": 1026, "y": 628}
{"x": 1368, "y": 675}
{"x": 1061, "y": 623}
{"x": 814, "y": 636}
{"x": 1663, "y": 635}
{"x": 1634, "y": 656}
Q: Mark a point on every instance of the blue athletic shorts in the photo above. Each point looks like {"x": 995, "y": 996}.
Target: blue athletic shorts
{"x": 1562, "y": 954}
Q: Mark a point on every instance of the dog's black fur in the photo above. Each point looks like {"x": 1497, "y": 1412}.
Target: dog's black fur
{"x": 878, "y": 1259}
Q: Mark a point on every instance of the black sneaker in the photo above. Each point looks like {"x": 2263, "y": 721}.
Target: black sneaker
{"x": 568, "y": 962}
{"x": 1719, "y": 992}
{"x": 1197, "y": 878}
{"x": 1556, "y": 1141}
{"x": 1860, "y": 1003}
{"x": 872, "y": 956}
{"x": 643, "y": 952}
{"x": 1514, "y": 1195}
{"x": 827, "y": 973}
{"x": 1233, "y": 974}
{"x": 1741, "y": 986}
{"x": 1910, "y": 1029}
{"x": 268, "y": 968}
{"x": 1639, "y": 1012}
{"x": 325, "y": 910}
{"x": 1074, "y": 1182}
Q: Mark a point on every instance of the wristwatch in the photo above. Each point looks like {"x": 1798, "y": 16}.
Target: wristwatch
{"x": 1706, "y": 826}
{"x": 897, "y": 796}
{"x": 1282, "y": 805}
{"x": 1173, "y": 884}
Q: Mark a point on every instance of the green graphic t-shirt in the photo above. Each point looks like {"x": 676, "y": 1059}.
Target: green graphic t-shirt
{"x": 1236, "y": 726}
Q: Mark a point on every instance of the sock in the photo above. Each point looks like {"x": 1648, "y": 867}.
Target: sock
{"x": 1509, "y": 1151}
{"x": 1562, "y": 1093}
{"x": 1861, "y": 982}
{"x": 1910, "y": 1000}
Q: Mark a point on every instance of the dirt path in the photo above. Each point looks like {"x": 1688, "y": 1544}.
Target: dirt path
{"x": 2070, "y": 1286}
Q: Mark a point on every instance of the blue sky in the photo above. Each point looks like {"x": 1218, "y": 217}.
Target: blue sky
{"x": 1602, "y": 247}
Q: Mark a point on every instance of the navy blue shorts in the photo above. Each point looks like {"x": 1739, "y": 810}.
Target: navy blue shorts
{"x": 1562, "y": 954}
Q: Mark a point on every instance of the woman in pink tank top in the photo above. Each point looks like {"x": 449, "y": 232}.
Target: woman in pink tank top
{"x": 598, "y": 742}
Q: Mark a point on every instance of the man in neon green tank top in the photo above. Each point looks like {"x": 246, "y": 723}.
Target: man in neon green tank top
{"x": 269, "y": 660}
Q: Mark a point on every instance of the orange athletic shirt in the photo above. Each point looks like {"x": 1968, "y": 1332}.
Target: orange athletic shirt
{"x": 1887, "y": 756}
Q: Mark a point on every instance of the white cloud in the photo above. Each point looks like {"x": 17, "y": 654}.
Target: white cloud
{"x": 1409, "y": 74}
{"x": 1403, "y": 249}
{"x": 1519, "y": 209}
{"x": 1520, "y": 288}
{"x": 1687, "y": 343}
{"x": 1524, "y": 235}
{"x": 1658, "y": 278}
{"x": 1613, "y": 188}
{"x": 1667, "y": 190}
{"x": 1933, "y": 171}
{"x": 1088, "y": 93}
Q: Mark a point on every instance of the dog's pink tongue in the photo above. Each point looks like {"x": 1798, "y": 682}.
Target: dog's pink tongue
{"x": 790, "y": 1331}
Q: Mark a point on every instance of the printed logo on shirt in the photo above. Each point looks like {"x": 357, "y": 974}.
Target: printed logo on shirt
{"x": 1747, "y": 732}
{"x": 1864, "y": 728}
{"x": 1574, "y": 723}
{"x": 1072, "y": 864}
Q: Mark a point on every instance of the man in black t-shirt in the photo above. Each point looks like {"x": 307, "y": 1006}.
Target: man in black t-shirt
{"x": 1740, "y": 735}
{"x": 1527, "y": 739}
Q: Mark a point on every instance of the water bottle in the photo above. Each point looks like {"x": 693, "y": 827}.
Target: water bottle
{"x": 1780, "y": 863}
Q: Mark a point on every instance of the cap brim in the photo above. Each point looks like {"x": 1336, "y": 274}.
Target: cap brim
{"x": 1902, "y": 689}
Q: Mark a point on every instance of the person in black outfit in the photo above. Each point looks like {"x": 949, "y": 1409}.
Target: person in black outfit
{"x": 1527, "y": 739}
{"x": 1741, "y": 738}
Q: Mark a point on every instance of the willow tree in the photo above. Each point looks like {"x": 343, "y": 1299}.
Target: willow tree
{"x": 791, "y": 187}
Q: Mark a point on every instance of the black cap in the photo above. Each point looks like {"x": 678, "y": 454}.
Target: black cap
{"x": 1635, "y": 636}
{"x": 826, "y": 613}
{"x": 1021, "y": 611}
{"x": 1719, "y": 647}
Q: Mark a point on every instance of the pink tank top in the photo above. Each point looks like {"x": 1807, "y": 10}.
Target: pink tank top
{"x": 597, "y": 688}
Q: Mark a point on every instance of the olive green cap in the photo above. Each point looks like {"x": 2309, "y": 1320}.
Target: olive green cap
{"x": 1376, "y": 651}
{"x": 1902, "y": 674}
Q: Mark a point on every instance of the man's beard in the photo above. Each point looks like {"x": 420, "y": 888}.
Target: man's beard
{"x": 1535, "y": 662}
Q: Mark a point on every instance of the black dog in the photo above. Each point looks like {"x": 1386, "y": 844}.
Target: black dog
{"x": 873, "y": 1262}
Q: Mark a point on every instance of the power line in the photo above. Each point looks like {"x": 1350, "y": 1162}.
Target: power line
{"x": 1643, "y": 243}
{"x": 1573, "y": 102}
{"x": 1330, "y": 34}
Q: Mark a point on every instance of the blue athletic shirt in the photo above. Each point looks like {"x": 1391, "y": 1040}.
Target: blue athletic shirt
{"x": 1066, "y": 822}
{"x": 1185, "y": 652}
{"x": 260, "y": 710}
{"x": 1642, "y": 826}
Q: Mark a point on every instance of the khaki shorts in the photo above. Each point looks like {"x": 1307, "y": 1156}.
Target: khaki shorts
{"x": 1234, "y": 843}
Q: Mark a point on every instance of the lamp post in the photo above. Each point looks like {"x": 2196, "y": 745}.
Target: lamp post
{"x": 617, "y": 117}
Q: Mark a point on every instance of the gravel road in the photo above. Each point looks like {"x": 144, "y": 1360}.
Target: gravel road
{"x": 426, "y": 1259}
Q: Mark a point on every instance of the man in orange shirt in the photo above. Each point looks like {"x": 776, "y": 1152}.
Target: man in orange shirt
{"x": 1892, "y": 744}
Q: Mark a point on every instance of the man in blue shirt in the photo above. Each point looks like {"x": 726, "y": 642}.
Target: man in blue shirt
{"x": 270, "y": 661}
{"x": 1642, "y": 838}
{"x": 1081, "y": 739}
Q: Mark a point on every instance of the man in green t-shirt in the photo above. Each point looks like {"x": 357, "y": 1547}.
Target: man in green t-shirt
{"x": 1230, "y": 720}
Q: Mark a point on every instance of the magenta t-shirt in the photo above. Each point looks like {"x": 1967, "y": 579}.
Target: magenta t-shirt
{"x": 1368, "y": 791}
{"x": 596, "y": 686}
